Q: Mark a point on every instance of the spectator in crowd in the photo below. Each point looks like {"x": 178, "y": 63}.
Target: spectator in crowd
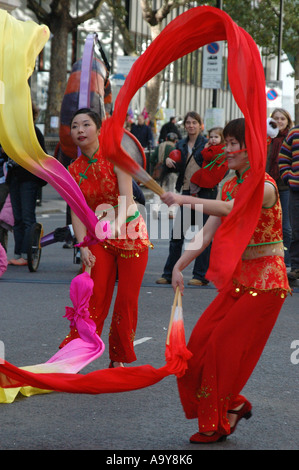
{"x": 289, "y": 170}
{"x": 167, "y": 128}
{"x": 23, "y": 189}
{"x": 162, "y": 173}
{"x": 142, "y": 132}
{"x": 191, "y": 160}
{"x": 284, "y": 124}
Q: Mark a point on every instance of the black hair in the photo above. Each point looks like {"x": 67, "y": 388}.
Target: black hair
{"x": 236, "y": 129}
{"x": 92, "y": 114}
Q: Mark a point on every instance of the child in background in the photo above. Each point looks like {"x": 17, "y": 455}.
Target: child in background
{"x": 214, "y": 166}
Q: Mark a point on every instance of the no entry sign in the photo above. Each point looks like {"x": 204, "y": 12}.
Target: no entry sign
{"x": 274, "y": 94}
{"x": 212, "y": 65}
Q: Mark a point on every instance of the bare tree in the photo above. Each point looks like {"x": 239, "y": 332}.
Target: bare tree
{"x": 258, "y": 18}
{"x": 154, "y": 18}
{"x": 120, "y": 14}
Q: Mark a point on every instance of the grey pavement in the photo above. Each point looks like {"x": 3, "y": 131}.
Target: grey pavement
{"x": 151, "y": 419}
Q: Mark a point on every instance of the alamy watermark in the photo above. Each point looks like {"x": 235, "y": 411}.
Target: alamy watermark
{"x": 295, "y": 353}
{"x": 186, "y": 225}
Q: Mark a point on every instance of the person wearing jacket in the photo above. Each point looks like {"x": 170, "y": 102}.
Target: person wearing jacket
{"x": 143, "y": 132}
{"x": 284, "y": 124}
{"x": 23, "y": 190}
{"x": 289, "y": 171}
{"x": 191, "y": 161}
{"x": 169, "y": 127}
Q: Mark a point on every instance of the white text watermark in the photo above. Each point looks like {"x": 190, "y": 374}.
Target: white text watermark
{"x": 295, "y": 353}
{"x": 187, "y": 222}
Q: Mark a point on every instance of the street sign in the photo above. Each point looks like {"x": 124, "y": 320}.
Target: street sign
{"x": 274, "y": 94}
{"x": 212, "y": 65}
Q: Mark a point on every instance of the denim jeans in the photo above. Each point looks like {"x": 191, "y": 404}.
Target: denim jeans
{"x": 294, "y": 219}
{"x": 286, "y": 226}
{"x": 23, "y": 200}
{"x": 201, "y": 263}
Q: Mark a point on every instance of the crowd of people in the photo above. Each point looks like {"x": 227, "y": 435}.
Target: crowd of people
{"x": 205, "y": 173}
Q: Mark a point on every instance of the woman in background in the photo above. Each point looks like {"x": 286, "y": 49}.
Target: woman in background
{"x": 284, "y": 123}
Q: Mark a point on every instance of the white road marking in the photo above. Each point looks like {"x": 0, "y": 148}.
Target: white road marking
{"x": 142, "y": 340}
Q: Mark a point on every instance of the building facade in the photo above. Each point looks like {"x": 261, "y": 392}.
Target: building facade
{"x": 182, "y": 87}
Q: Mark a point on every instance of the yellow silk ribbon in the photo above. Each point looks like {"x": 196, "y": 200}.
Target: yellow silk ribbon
{"x": 20, "y": 44}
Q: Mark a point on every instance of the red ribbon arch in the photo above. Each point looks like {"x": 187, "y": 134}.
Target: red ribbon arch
{"x": 189, "y": 31}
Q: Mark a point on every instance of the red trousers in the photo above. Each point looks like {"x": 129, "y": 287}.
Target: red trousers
{"x": 226, "y": 344}
{"x": 130, "y": 273}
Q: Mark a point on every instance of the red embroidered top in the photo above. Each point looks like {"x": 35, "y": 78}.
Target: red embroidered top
{"x": 213, "y": 168}
{"x": 99, "y": 185}
{"x": 263, "y": 266}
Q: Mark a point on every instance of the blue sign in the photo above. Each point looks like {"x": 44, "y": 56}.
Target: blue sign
{"x": 213, "y": 48}
{"x": 272, "y": 94}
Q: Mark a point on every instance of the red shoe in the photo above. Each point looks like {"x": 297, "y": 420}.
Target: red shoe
{"x": 199, "y": 438}
{"x": 244, "y": 412}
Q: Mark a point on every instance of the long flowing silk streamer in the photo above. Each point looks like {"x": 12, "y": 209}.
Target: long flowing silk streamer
{"x": 76, "y": 354}
{"x": 20, "y": 43}
{"x": 41, "y": 379}
{"x": 189, "y": 31}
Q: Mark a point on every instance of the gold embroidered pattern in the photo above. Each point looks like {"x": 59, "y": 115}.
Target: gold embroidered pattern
{"x": 203, "y": 392}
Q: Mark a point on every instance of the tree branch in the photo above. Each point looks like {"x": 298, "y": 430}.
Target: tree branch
{"x": 154, "y": 17}
{"x": 119, "y": 13}
{"x": 92, "y": 13}
{"x": 38, "y": 10}
{"x": 268, "y": 2}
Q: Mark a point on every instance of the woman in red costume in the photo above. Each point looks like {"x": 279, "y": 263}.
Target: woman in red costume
{"x": 230, "y": 336}
{"x": 108, "y": 190}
